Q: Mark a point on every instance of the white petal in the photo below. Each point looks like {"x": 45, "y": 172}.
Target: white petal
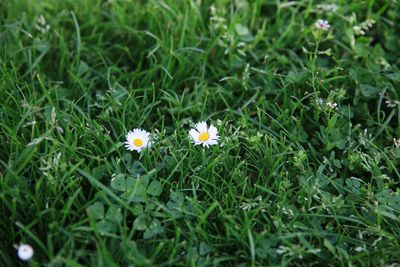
{"x": 212, "y": 131}
{"x": 214, "y": 137}
{"x": 143, "y": 134}
{"x": 194, "y": 135}
{"x": 129, "y": 135}
{"x": 212, "y": 142}
{"x": 146, "y": 142}
{"x": 201, "y": 127}
{"x": 130, "y": 147}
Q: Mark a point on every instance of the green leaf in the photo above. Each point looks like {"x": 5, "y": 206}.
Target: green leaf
{"x": 138, "y": 191}
{"x": 114, "y": 214}
{"x": 154, "y": 188}
{"x": 129, "y": 183}
{"x": 154, "y": 229}
{"x": 175, "y": 204}
{"x": 118, "y": 183}
{"x": 144, "y": 180}
{"x": 368, "y": 90}
{"x": 105, "y": 226}
{"x": 176, "y": 200}
{"x": 139, "y": 194}
{"x": 137, "y": 209}
{"x": 353, "y": 183}
{"x": 83, "y": 68}
{"x": 137, "y": 168}
{"x": 98, "y": 172}
{"x": 244, "y": 32}
{"x": 241, "y": 29}
{"x": 140, "y": 222}
{"x": 41, "y": 45}
{"x": 96, "y": 210}
{"x": 128, "y": 158}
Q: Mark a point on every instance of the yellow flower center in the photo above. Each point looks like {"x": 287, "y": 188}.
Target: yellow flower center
{"x": 204, "y": 136}
{"x": 138, "y": 142}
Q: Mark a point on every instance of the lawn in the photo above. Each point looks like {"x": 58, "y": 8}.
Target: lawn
{"x": 305, "y": 99}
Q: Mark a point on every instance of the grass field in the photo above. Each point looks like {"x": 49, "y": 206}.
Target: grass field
{"x": 306, "y": 168}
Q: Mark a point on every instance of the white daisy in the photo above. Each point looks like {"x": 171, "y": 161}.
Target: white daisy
{"x": 322, "y": 25}
{"x": 25, "y": 252}
{"x": 202, "y": 135}
{"x": 137, "y": 140}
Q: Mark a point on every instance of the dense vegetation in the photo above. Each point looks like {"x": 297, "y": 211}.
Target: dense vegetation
{"x": 306, "y": 169}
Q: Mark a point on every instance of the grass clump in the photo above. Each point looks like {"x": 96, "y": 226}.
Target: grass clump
{"x": 305, "y": 170}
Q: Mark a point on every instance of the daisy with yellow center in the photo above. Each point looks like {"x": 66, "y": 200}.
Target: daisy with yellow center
{"x": 137, "y": 140}
{"x": 204, "y": 135}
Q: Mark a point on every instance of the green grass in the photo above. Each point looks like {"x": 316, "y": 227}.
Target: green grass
{"x": 292, "y": 181}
